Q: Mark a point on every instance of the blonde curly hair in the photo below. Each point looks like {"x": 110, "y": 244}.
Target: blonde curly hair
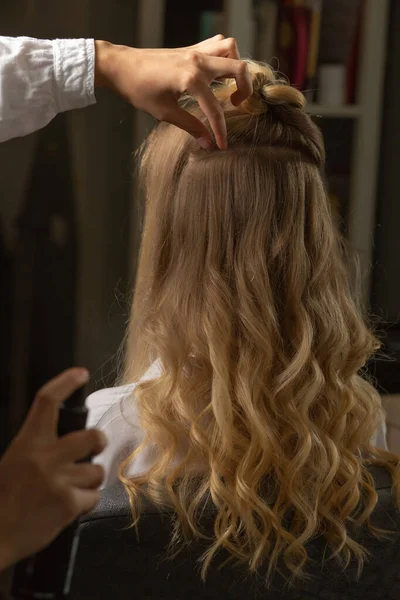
{"x": 244, "y": 297}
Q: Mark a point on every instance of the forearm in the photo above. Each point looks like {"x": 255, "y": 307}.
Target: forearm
{"x": 40, "y": 78}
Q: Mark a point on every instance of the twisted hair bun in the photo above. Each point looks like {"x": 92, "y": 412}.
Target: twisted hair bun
{"x": 278, "y": 106}
{"x": 269, "y": 91}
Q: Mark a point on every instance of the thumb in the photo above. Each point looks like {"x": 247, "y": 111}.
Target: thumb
{"x": 186, "y": 121}
{"x": 43, "y": 414}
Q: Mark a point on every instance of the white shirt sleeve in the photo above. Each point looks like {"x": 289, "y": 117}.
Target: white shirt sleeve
{"x": 40, "y": 78}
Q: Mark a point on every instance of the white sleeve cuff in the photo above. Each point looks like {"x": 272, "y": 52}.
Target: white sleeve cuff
{"x": 74, "y": 73}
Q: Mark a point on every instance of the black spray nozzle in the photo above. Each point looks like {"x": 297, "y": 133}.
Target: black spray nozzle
{"x": 76, "y": 400}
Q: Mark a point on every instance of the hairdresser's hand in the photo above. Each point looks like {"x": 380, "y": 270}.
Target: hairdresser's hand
{"x": 153, "y": 81}
{"x": 42, "y": 489}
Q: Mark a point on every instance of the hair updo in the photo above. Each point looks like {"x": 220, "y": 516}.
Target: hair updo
{"x": 269, "y": 91}
{"x": 279, "y": 109}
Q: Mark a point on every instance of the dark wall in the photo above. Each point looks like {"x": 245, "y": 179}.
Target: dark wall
{"x": 182, "y": 20}
{"x": 386, "y": 281}
{"x": 385, "y": 298}
{"x": 70, "y": 220}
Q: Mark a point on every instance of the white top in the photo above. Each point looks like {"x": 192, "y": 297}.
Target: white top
{"x": 113, "y": 410}
{"x": 40, "y": 78}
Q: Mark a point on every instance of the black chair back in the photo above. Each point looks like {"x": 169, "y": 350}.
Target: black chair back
{"x": 113, "y": 564}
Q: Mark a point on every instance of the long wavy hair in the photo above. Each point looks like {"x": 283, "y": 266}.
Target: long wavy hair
{"x": 244, "y": 298}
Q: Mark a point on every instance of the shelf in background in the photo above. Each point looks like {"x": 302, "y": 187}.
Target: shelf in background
{"x": 348, "y": 111}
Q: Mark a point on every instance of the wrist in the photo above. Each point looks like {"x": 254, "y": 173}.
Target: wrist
{"x": 103, "y": 57}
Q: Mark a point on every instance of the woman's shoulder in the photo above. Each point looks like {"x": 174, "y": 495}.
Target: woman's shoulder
{"x": 106, "y": 401}
{"x": 114, "y": 411}
{"x": 110, "y": 395}
{"x": 111, "y": 404}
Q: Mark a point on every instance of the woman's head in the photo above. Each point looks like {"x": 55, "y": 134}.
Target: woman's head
{"x": 244, "y": 298}
{"x": 250, "y": 219}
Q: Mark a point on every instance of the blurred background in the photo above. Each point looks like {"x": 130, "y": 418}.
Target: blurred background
{"x": 69, "y": 204}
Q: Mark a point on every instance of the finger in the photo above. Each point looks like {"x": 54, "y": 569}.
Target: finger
{"x": 85, "y": 475}
{"x": 43, "y": 414}
{"x": 214, "y": 113}
{"x": 186, "y": 121}
{"x": 227, "y": 47}
{"x": 215, "y": 38}
{"x": 85, "y": 500}
{"x": 217, "y": 67}
{"x": 79, "y": 445}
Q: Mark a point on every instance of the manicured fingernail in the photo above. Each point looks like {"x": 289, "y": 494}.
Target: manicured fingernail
{"x": 203, "y": 143}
